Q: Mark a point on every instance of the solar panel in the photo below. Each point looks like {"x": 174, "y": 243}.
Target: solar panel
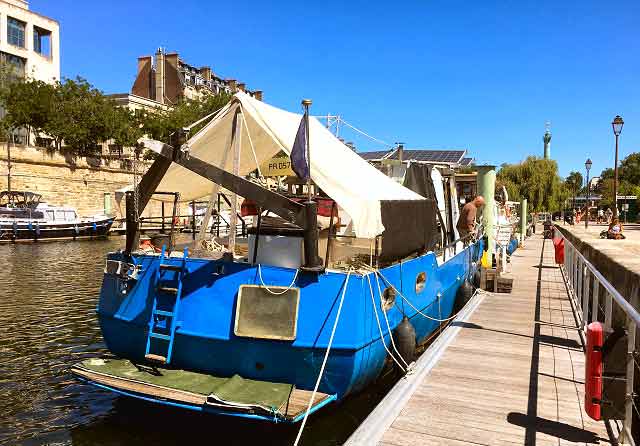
{"x": 433, "y": 156}
{"x": 377, "y": 154}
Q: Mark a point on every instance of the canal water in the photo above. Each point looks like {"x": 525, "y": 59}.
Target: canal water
{"x": 48, "y": 296}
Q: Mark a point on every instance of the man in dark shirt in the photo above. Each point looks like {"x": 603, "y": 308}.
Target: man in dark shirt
{"x": 467, "y": 221}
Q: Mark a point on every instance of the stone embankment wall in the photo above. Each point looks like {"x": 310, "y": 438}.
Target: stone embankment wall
{"x": 85, "y": 183}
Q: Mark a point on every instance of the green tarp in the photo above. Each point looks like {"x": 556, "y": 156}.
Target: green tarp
{"x": 235, "y": 391}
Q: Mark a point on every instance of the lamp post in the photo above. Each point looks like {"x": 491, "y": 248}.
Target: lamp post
{"x": 587, "y": 166}
{"x": 617, "y": 129}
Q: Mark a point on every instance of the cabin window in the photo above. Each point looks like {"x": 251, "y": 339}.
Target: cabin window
{"x": 421, "y": 281}
{"x": 70, "y": 215}
{"x": 388, "y": 298}
{"x": 59, "y": 215}
{"x": 50, "y": 216}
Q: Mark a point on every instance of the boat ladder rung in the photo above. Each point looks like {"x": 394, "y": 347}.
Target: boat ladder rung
{"x": 155, "y": 358}
{"x": 153, "y": 334}
{"x": 163, "y": 313}
{"x": 166, "y": 289}
{"x": 170, "y": 267}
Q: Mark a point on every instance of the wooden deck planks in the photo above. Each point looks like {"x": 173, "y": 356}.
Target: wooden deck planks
{"x": 514, "y": 373}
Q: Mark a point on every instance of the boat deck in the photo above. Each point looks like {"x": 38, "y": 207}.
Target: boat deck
{"x": 197, "y": 391}
{"x": 511, "y": 372}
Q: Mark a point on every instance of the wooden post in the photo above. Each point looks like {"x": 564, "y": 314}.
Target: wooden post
{"x": 162, "y": 217}
{"x": 193, "y": 219}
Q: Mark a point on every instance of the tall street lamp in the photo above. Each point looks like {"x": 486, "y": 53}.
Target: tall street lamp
{"x": 617, "y": 129}
{"x": 587, "y": 166}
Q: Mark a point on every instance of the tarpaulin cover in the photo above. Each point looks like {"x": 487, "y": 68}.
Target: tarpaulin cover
{"x": 233, "y": 391}
{"x": 358, "y": 187}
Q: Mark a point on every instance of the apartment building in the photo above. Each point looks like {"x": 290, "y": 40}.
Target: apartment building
{"x": 29, "y": 41}
{"x": 166, "y": 79}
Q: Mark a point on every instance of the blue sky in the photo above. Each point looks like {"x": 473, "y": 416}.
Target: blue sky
{"x": 481, "y": 75}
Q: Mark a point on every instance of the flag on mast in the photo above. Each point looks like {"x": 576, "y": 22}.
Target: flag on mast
{"x": 299, "y": 162}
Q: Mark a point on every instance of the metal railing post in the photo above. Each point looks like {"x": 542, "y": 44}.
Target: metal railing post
{"x": 594, "y": 302}
{"x": 628, "y": 405}
{"x": 608, "y": 310}
{"x": 579, "y": 289}
{"x": 585, "y": 295}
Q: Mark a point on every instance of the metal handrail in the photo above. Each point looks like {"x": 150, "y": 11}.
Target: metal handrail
{"x": 576, "y": 270}
{"x": 615, "y": 294}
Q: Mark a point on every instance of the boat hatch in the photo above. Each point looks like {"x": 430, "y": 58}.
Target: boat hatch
{"x": 198, "y": 391}
{"x": 267, "y": 312}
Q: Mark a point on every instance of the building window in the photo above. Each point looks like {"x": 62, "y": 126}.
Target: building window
{"x": 115, "y": 150}
{"x": 42, "y": 41}
{"x": 15, "y": 32}
{"x": 17, "y": 64}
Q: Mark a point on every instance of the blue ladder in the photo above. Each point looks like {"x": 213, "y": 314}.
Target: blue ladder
{"x": 160, "y": 338}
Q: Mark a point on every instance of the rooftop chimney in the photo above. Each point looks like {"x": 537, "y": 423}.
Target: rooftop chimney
{"x": 242, "y": 86}
{"x": 206, "y": 73}
{"x": 160, "y": 76}
{"x": 400, "y": 152}
{"x": 258, "y": 95}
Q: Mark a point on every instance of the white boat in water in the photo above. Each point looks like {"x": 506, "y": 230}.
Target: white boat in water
{"x": 24, "y": 218}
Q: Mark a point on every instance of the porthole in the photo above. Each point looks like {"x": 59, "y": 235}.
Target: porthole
{"x": 388, "y": 298}
{"x": 421, "y": 282}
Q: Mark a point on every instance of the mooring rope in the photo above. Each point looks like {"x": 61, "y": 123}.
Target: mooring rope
{"x": 375, "y": 311}
{"x": 276, "y": 293}
{"x": 324, "y": 361}
{"x": 386, "y": 319}
{"x": 426, "y": 316}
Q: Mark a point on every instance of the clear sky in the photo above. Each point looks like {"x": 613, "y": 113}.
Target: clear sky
{"x": 480, "y": 75}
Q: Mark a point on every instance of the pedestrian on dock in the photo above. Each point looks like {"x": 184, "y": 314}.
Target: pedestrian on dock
{"x": 467, "y": 221}
{"x": 615, "y": 230}
{"x": 609, "y": 214}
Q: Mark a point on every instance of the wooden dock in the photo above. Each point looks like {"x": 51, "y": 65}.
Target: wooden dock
{"x": 509, "y": 371}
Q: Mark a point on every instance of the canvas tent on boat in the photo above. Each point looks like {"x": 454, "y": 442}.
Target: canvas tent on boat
{"x": 374, "y": 202}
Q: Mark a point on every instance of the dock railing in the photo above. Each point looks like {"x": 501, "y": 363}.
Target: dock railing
{"x": 594, "y": 299}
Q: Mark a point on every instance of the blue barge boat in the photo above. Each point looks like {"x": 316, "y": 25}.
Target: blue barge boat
{"x": 279, "y": 338}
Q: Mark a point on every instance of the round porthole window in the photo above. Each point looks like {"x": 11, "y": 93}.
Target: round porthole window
{"x": 388, "y": 298}
{"x": 421, "y": 282}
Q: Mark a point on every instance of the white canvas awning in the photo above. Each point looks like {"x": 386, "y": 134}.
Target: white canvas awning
{"x": 353, "y": 183}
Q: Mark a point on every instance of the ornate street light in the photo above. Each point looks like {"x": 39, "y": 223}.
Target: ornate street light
{"x": 587, "y": 166}
{"x": 617, "y": 129}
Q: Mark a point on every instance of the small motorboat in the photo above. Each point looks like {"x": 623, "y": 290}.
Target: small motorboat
{"x": 25, "y": 218}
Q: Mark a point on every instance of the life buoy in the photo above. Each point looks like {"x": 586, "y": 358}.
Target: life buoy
{"x": 593, "y": 370}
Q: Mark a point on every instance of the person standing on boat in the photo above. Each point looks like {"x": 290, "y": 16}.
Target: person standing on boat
{"x": 467, "y": 220}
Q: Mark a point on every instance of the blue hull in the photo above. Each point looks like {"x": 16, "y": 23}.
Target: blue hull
{"x": 205, "y": 339}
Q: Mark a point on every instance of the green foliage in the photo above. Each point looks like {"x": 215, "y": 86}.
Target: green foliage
{"x": 535, "y": 179}
{"x": 160, "y": 125}
{"x": 77, "y": 114}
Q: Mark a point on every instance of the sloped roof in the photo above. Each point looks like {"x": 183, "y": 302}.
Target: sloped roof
{"x": 375, "y": 155}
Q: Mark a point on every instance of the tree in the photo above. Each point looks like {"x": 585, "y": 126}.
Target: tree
{"x": 535, "y": 179}
{"x": 29, "y": 105}
{"x": 573, "y": 183}
{"x": 161, "y": 124}
{"x": 81, "y": 115}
